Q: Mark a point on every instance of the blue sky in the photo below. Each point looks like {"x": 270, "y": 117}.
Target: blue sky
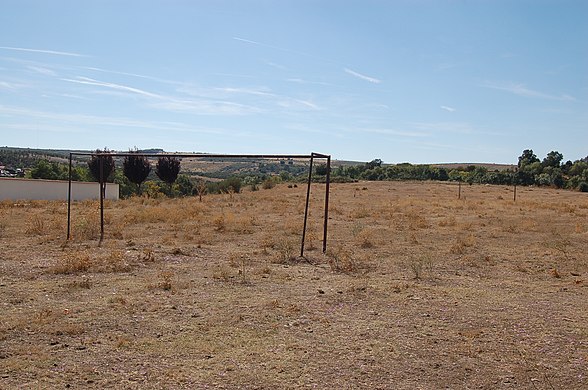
{"x": 404, "y": 81}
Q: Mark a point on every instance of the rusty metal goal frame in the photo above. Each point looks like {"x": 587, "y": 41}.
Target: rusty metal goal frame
{"x": 311, "y": 157}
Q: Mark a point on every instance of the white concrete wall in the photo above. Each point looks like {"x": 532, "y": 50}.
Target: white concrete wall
{"x": 38, "y": 189}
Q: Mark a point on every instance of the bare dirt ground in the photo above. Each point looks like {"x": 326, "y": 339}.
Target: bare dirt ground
{"x": 418, "y": 290}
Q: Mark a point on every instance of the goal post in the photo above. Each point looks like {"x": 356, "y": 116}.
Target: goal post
{"x": 311, "y": 157}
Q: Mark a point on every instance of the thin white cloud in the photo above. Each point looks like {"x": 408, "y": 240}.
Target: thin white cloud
{"x": 248, "y": 41}
{"x": 444, "y": 127}
{"x": 277, "y": 66}
{"x": 43, "y": 71}
{"x": 70, "y": 121}
{"x": 202, "y": 106}
{"x": 247, "y": 91}
{"x": 11, "y": 86}
{"x": 206, "y": 107}
{"x": 302, "y": 81}
{"x": 308, "y": 104}
{"x": 296, "y": 104}
{"x": 522, "y": 90}
{"x": 53, "y": 52}
{"x": 447, "y": 108}
{"x": 128, "y": 74}
{"x": 119, "y": 87}
{"x": 384, "y": 131}
{"x": 362, "y": 76}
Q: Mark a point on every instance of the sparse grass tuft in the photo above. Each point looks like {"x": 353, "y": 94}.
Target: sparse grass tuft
{"x": 84, "y": 229}
{"x": 420, "y": 266}
{"x": 286, "y": 251}
{"x": 72, "y": 263}
{"x": 341, "y": 260}
{"x": 36, "y": 226}
{"x": 78, "y": 261}
{"x": 165, "y": 280}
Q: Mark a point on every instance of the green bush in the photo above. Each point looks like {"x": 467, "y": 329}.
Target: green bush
{"x": 583, "y": 187}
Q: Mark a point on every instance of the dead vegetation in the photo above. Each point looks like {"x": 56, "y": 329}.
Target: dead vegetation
{"x": 418, "y": 289}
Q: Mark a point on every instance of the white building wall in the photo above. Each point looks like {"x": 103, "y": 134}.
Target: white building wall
{"x": 38, "y": 189}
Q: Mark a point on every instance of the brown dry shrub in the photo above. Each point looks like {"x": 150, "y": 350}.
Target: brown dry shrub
{"x": 72, "y": 263}
{"x": 36, "y": 225}
{"x": 461, "y": 244}
{"x": 114, "y": 261}
{"x": 448, "y": 221}
{"x": 85, "y": 229}
{"x": 365, "y": 238}
{"x": 286, "y": 251}
{"x": 341, "y": 259}
{"x": 78, "y": 261}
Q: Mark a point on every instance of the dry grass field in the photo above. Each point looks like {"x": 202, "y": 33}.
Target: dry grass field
{"x": 418, "y": 290}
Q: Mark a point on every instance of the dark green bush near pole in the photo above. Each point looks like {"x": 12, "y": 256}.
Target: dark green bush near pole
{"x": 101, "y": 167}
{"x": 101, "y": 157}
{"x": 167, "y": 169}
{"x": 583, "y": 187}
{"x": 136, "y": 168}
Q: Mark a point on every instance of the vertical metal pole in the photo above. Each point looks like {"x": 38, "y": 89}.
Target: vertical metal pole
{"x": 101, "y": 197}
{"x": 515, "y": 178}
{"x": 327, "y": 204}
{"x": 459, "y": 190}
{"x": 69, "y": 201}
{"x": 306, "y": 207}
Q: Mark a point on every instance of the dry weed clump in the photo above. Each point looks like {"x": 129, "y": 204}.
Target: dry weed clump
{"x": 115, "y": 261}
{"x": 85, "y": 229}
{"x": 365, "y": 238}
{"x": 360, "y": 212}
{"x": 165, "y": 280}
{"x": 461, "y": 244}
{"x": 79, "y": 261}
{"x": 448, "y": 221}
{"x": 416, "y": 221}
{"x": 36, "y": 225}
{"x": 341, "y": 259}
{"x": 420, "y": 266}
{"x": 72, "y": 263}
{"x": 3, "y": 228}
{"x": 286, "y": 251}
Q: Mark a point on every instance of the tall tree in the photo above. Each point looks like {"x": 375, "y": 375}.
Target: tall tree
{"x": 136, "y": 168}
{"x": 101, "y": 166}
{"x": 553, "y": 159}
{"x": 527, "y": 158}
{"x": 167, "y": 169}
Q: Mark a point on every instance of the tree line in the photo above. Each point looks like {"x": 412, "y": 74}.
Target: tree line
{"x": 137, "y": 176}
{"x": 530, "y": 170}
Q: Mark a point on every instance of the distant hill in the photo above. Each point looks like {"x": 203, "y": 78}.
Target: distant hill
{"x": 26, "y": 158}
{"x": 488, "y": 166}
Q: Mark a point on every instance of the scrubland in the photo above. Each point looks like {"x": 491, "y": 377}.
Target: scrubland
{"x": 418, "y": 290}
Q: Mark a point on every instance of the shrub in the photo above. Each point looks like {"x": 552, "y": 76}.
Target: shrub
{"x": 583, "y": 187}
{"x": 167, "y": 170}
{"x": 136, "y": 168}
{"x": 268, "y": 184}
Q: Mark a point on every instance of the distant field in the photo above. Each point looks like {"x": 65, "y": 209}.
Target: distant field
{"x": 419, "y": 290}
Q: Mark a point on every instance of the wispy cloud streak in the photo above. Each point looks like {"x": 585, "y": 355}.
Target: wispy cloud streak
{"x": 77, "y": 120}
{"x": 522, "y": 90}
{"x": 43, "y": 71}
{"x": 89, "y": 81}
{"x": 362, "y": 76}
{"x": 53, "y": 52}
{"x": 447, "y": 108}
